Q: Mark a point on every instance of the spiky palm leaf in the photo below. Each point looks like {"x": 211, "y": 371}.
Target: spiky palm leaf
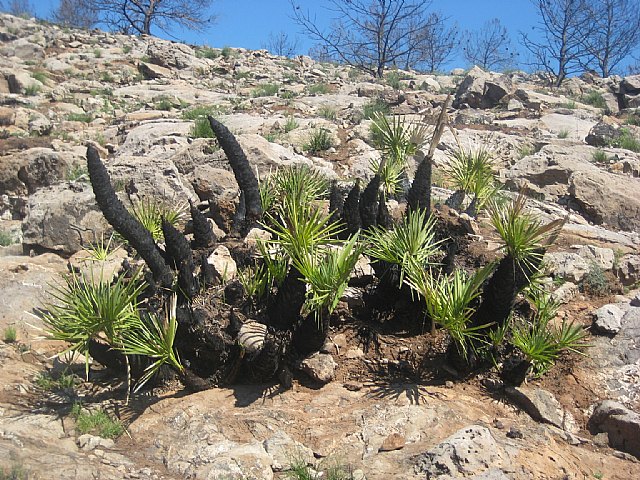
{"x": 85, "y": 309}
{"x": 449, "y": 300}
{"x": 153, "y": 338}
{"x": 413, "y": 240}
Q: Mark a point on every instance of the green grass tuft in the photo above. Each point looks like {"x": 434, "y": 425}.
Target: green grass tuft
{"x": 97, "y": 423}
{"x": 319, "y": 141}
{"x": 10, "y": 334}
{"x": 265, "y": 90}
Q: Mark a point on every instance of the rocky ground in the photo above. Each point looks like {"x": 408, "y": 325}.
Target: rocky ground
{"x": 60, "y": 89}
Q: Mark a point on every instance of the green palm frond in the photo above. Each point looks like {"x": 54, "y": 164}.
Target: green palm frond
{"x": 85, "y": 309}
{"x": 390, "y": 172}
{"x": 150, "y": 212}
{"x": 101, "y": 250}
{"x": 413, "y": 240}
{"x": 327, "y": 275}
{"x": 523, "y": 235}
{"x": 395, "y": 138}
{"x": 154, "y": 338}
{"x": 449, "y": 300}
{"x": 300, "y": 228}
{"x": 471, "y": 171}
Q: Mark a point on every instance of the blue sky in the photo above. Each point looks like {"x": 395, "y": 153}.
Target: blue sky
{"x": 248, "y": 23}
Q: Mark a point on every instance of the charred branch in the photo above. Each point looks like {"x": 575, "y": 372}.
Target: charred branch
{"x": 123, "y": 222}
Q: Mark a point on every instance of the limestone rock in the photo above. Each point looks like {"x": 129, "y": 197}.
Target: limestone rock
{"x": 319, "y": 366}
{"x": 607, "y": 319}
{"x": 567, "y": 265}
{"x": 63, "y": 218}
{"x": 223, "y": 263}
{"x": 395, "y": 441}
{"x": 541, "y": 405}
{"x": 285, "y": 451}
{"x": 621, "y": 424}
{"x": 470, "y": 451}
{"x": 481, "y": 89}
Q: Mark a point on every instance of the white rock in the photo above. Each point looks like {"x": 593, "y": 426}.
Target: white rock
{"x": 223, "y": 263}
{"x": 608, "y": 319}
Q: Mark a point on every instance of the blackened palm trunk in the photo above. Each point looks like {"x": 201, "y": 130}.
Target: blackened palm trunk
{"x": 419, "y": 196}
{"x": 123, "y": 222}
{"x": 500, "y": 292}
{"x": 311, "y": 334}
{"x": 284, "y": 312}
{"x": 351, "y": 211}
{"x": 336, "y": 202}
{"x": 245, "y": 177}
{"x": 369, "y": 203}
{"x": 180, "y": 257}
{"x": 203, "y": 235}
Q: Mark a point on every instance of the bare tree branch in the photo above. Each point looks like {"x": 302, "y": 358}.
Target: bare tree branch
{"x": 138, "y": 16}
{"x": 564, "y": 24}
{"x": 490, "y": 47}
{"x": 615, "y": 34}
{"x": 368, "y": 34}
{"x": 281, "y": 44}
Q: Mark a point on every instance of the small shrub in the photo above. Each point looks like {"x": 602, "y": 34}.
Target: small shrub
{"x": 97, "y": 423}
{"x": 32, "y": 90}
{"x": 600, "y": 156}
{"x": 16, "y": 472}
{"x": 563, "y": 133}
{"x": 207, "y": 52}
{"x": 6, "y": 238}
{"x": 107, "y": 77}
{"x": 319, "y": 141}
{"x": 80, "y": 117}
{"x": 77, "y": 172}
{"x": 127, "y": 49}
{"x": 595, "y": 282}
{"x": 633, "y": 119}
{"x": 393, "y": 80}
{"x": 571, "y": 105}
{"x": 594, "y": 98}
{"x": 265, "y": 90}
{"x": 97, "y": 53}
{"x": 626, "y": 140}
{"x": 242, "y": 75}
{"x": 291, "y": 124}
{"x": 201, "y": 128}
{"x": 375, "y": 106}
{"x": 227, "y": 52}
{"x": 10, "y": 335}
{"x": 288, "y": 95}
{"x": 163, "y": 104}
{"x": 40, "y": 76}
{"x": 318, "y": 89}
{"x": 201, "y": 111}
{"x": 327, "y": 112}
{"x": 50, "y": 383}
{"x": 525, "y": 151}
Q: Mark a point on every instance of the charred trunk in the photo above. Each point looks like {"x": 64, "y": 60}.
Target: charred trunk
{"x": 123, "y": 222}
{"x": 369, "y": 203}
{"x": 351, "y": 212}
{"x": 311, "y": 333}
{"x": 203, "y": 236}
{"x": 419, "y": 196}
{"x": 284, "y": 311}
{"x": 245, "y": 177}
{"x": 179, "y": 255}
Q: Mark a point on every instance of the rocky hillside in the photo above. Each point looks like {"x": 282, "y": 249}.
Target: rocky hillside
{"x": 142, "y": 101}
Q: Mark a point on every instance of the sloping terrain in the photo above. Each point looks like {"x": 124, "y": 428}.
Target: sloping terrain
{"x": 141, "y": 102}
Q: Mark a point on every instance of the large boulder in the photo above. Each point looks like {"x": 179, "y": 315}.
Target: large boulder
{"x": 566, "y": 175}
{"x": 63, "y": 218}
{"x": 470, "y": 451}
{"x": 173, "y": 55}
{"x": 481, "y": 89}
{"x": 621, "y": 424}
{"x": 629, "y": 92}
{"x": 27, "y": 171}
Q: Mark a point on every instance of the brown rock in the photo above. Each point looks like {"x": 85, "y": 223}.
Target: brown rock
{"x": 395, "y": 441}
